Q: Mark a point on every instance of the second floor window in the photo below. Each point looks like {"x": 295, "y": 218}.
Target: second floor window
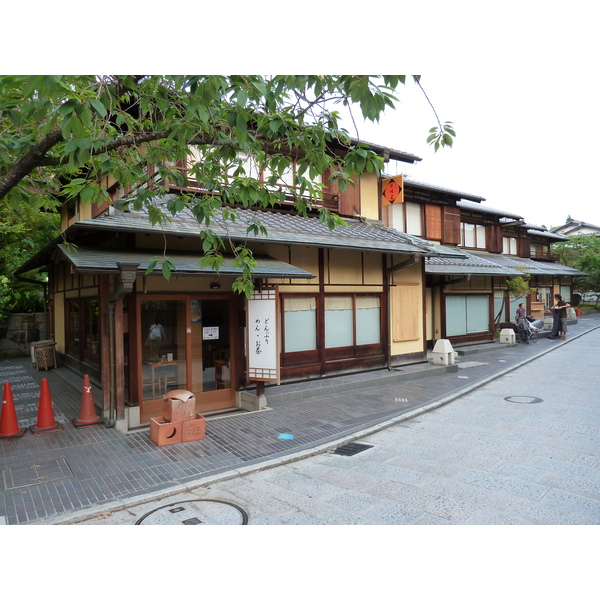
{"x": 407, "y": 218}
{"x": 509, "y": 245}
{"x": 472, "y": 236}
{"x": 538, "y": 250}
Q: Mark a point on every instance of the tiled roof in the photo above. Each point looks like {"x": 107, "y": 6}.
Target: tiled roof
{"x": 390, "y": 152}
{"x": 484, "y": 263}
{"x": 530, "y": 266}
{"x": 472, "y": 265}
{"x": 573, "y": 226}
{"x": 548, "y": 234}
{"x": 282, "y": 228}
{"x": 437, "y": 188}
{"x": 468, "y": 205}
{"x": 104, "y": 260}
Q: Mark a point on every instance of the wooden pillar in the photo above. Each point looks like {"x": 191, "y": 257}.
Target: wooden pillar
{"x": 104, "y": 343}
{"x": 321, "y": 308}
{"x": 119, "y": 360}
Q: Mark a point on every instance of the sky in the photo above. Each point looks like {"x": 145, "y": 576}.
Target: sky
{"x": 524, "y": 142}
{"x": 520, "y": 80}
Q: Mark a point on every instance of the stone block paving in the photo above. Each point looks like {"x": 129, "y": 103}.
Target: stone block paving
{"x": 461, "y": 464}
{"x": 48, "y": 475}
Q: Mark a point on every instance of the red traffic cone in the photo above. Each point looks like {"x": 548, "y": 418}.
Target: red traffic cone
{"x": 45, "y": 421}
{"x": 87, "y": 414}
{"x": 9, "y": 426}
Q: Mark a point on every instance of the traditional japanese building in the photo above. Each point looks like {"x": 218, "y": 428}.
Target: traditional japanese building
{"x": 325, "y": 302}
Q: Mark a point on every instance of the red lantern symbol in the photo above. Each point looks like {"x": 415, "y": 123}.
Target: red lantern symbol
{"x": 392, "y": 191}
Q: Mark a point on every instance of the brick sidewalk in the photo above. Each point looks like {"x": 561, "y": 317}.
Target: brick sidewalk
{"x": 52, "y": 474}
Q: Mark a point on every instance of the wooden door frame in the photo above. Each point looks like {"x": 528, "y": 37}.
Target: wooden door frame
{"x": 187, "y": 297}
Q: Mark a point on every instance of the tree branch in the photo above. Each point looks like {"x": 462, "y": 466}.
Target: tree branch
{"x": 29, "y": 162}
{"x": 123, "y": 142}
{"x": 430, "y": 103}
{"x": 36, "y": 157}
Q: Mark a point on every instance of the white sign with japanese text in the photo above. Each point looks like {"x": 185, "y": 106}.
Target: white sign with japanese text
{"x": 263, "y": 350}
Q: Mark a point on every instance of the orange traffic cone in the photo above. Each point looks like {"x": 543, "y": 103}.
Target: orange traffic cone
{"x": 9, "y": 426}
{"x": 578, "y": 312}
{"x": 87, "y": 414}
{"x": 45, "y": 421}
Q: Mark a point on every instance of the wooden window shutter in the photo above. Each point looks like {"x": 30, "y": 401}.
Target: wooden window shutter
{"x": 406, "y": 303}
{"x": 493, "y": 235}
{"x": 348, "y": 203}
{"x": 524, "y": 247}
{"x": 433, "y": 222}
{"x": 451, "y": 226}
{"x": 349, "y": 200}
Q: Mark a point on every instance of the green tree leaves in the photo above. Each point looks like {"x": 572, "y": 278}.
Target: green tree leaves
{"x": 245, "y": 140}
{"x": 24, "y": 230}
{"x": 167, "y": 266}
{"x": 441, "y": 136}
{"x": 582, "y": 252}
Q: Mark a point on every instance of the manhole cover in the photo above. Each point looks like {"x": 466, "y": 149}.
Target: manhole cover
{"x": 42, "y": 472}
{"x": 196, "y": 512}
{"x": 523, "y": 399}
{"x": 351, "y": 449}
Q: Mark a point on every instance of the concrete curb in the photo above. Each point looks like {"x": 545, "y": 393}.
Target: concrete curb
{"x": 78, "y": 517}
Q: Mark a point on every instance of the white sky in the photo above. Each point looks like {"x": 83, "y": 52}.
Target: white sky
{"x": 525, "y": 142}
{"x": 519, "y": 79}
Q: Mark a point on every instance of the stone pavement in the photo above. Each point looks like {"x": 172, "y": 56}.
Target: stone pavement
{"x": 71, "y": 475}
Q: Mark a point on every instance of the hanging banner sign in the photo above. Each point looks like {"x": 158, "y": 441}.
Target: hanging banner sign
{"x": 262, "y": 336}
{"x": 392, "y": 190}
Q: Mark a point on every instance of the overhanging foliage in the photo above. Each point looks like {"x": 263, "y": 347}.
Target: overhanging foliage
{"x": 62, "y": 136}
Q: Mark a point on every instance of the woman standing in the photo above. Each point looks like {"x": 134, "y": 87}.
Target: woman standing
{"x": 559, "y": 318}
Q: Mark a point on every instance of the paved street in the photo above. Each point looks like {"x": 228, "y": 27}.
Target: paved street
{"x": 522, "y": 449}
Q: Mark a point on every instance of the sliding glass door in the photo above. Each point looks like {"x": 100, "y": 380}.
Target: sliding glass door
{"x": 185, "y": 345}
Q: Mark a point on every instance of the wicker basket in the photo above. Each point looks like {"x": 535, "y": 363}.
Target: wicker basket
{"x": 44, "y": 354}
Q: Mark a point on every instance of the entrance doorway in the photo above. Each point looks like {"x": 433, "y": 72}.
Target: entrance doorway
{"x": 185, "y": 344}
{"x": 211, "y": 352}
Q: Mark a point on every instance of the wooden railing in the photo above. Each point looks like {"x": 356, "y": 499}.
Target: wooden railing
{"x": 329, "y": 200}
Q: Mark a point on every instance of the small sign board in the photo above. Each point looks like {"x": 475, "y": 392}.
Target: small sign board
{"x": 210, "y": 333}
{"x": 392, "y": 190}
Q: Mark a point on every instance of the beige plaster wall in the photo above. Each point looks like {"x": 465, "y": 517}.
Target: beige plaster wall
{"x": 369, "y": 196}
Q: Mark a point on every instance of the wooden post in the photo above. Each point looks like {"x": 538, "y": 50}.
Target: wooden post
{"x": 119, "y": 360}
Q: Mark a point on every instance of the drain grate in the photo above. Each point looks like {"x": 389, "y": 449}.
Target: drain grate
{"x": 469, "y": 364}
{"x": 523, "y": 399}
{"x": 19, "y": 477}
{"x": 351, "y": 449}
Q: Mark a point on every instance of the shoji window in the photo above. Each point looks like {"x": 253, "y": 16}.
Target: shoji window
{"x": 467, "y": 314}
{"x": 413, "y": 218}
{"x": 300, "y": 314}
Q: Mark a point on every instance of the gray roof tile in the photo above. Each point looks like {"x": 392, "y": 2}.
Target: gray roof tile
{"x": 483, "y": 263}
{"x": 104, "y": 260}
{"x": 282, "y": 228}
